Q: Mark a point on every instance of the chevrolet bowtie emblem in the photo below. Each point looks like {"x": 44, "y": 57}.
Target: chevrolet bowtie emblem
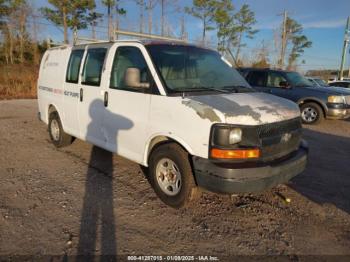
{"x": 286, "y": 137}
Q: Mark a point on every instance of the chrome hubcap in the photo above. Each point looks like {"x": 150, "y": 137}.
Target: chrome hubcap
{"x": 168, "y": 177}
{"x": 309, "y": 114}
{"x": 55, "y": 130}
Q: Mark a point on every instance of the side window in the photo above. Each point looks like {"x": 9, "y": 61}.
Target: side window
{"x": 338, "y": 84}
{"x": 73, "y": 69}
{"x": 243, "y": 73}
{"x": 93, "y": 66}
{"x": 274, "y": 79}
{"x": 126, "y": 57}
{"x": 257, "y": 78}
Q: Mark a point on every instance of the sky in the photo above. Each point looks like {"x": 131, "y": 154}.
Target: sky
{"x": 323, "y": 22}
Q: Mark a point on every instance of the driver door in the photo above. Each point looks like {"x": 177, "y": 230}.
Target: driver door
{"x": 257, "y": 79}
{"x": 276, "y": 82}
{"x": 127, "y": 111}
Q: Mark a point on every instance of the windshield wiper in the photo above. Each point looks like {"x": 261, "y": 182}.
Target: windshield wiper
{"x": 302, "y": 85}
{"x": 212, "y": 89}
{"x": 238, "y": 88}
{"x": 201, "y": 88}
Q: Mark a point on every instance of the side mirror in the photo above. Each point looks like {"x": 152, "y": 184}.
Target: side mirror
{"x": 132, "y": 78}
{"x": 284, "y": 84}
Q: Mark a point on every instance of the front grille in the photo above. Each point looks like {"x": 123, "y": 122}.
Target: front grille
{"x": 347, "y": 100}
{"x": 278, "y": 150}
{"x": 279, "y": 128}
{"x": 279, "y": 139}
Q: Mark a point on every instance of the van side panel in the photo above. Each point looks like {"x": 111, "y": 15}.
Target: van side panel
{"x": 51, "y": 81}
{"x": 174, "y": 118}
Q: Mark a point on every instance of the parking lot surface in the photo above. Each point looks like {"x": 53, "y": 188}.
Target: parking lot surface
{"x": 84, "y": 200}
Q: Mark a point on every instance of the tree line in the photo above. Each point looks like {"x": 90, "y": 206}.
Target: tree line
{"x": 231, "y": 27}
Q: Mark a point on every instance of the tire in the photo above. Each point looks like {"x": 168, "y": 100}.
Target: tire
{"x": 57, "y": 135}
{"x": 181, "y": 192}
{"x": 311, "y": 113}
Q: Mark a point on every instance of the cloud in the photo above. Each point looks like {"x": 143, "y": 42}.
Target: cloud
{"x": 336, "y": 23}
{"x": 319, "y": 24}
{"x": 268, "y": 25}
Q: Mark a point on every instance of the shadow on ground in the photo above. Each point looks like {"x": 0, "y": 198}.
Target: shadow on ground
{"x": 327, "y": 176}
{"x": 98, "y": 206}
{"x": 97, "y": 226}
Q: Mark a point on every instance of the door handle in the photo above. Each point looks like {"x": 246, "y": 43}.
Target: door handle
{"x": 81, "y": 95}
{"x": 106, "y": 99}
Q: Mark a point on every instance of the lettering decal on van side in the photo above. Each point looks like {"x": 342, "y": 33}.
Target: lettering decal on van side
{"x": 59, "y": 91}
{"x": 52, "y": 64}
{"x": 72, "y": 94}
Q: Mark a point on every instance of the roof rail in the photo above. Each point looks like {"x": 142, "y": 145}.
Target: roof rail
{"x": 77, "y": 39}
{"x": 86, "y": 39}
{"x": 150, "y": 36}
{"x": 51, "y": 44}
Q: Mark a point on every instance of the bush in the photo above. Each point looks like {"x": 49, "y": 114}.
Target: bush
{"x": 18, "y": 81}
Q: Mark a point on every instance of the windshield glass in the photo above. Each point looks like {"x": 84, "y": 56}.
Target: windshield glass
{"x": 321, "y": 82}
{"x": 189, "y": 68}
{"x": 296, "y": 79}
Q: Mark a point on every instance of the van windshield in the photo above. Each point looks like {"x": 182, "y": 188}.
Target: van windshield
{"x": 189, "y": 69}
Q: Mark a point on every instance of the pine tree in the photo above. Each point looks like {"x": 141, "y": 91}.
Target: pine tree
{"x": 296, "y": 40}
{"x": 69, "y": 14}
{"x": 224, "y": 21}
{"x": 205, "y": 11}
{"x": 244, "y": 21}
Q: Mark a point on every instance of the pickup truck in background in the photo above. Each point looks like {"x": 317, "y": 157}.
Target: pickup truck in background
{"x": 315, "y": 103}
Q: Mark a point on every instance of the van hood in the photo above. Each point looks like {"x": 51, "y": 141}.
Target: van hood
{"x": 243, "y": 108}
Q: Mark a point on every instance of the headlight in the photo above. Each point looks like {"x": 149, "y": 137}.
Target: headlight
{"x": 235, "y": 136}
{"x": 226, "y": 135}
{"x": 336, "y": 99}
{"x": 230, "y": 142}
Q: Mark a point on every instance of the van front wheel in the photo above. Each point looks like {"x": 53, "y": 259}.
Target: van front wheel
{"x": 58, "y": 137}
{"x": 171, "y": 176}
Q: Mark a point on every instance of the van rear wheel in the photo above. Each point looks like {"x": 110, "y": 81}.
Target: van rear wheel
{"x": 57, "y": 135}
{"x": 171, "y": 176}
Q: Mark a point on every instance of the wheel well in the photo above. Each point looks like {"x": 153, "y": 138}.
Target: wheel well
{"x": 52, "y": 108}
{"x": 161, "y": 140}
{"x": 313, "y": 101}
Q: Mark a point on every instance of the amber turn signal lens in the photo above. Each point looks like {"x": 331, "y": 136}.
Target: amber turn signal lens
{"x": 235, "y": 154}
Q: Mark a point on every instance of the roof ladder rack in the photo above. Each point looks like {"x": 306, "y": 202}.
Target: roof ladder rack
{"x": 76, "y": 39}
{"x": 150, "y": 36}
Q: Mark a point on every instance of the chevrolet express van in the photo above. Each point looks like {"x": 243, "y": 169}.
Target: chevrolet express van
{"x": 181, "y": 111}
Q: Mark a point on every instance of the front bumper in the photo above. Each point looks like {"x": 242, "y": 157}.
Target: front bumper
{"x": 338, "y": 111}
{"x": 229, "y": 180}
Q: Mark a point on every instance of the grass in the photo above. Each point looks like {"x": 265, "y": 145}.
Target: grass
{"x": 18, "y": 81}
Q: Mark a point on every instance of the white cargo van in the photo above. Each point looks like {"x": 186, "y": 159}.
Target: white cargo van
{"x": 180, "y": 110}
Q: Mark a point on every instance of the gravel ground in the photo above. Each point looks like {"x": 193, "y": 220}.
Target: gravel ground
{"x": 83, "y": 200}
